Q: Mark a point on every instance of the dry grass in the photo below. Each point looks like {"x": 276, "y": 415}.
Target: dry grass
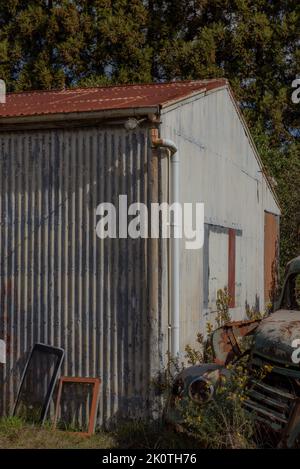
{"x": 16, "y": 434}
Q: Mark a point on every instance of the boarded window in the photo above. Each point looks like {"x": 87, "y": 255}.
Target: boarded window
{"x": 218, "y": 263}
{"x": 222, "y": 265}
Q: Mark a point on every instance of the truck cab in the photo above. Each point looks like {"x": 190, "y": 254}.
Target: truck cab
{"x": 276, "y": 400}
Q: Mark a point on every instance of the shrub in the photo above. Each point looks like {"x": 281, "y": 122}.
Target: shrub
{"x": 221, "y": 422}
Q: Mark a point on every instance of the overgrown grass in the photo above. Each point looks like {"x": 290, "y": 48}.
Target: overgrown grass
{"x": 14, "y": 433}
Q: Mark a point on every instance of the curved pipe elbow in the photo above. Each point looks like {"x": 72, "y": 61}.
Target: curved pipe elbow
{"x": 164, "y": 143}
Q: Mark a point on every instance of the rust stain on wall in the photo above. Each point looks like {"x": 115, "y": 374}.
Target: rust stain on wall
{"x": 231, "y": 266}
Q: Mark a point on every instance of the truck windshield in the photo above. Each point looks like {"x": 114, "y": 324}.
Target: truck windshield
{"x": 291, "y": 298}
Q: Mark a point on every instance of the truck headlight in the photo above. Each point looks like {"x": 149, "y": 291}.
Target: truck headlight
{"x": 201, "y": 390}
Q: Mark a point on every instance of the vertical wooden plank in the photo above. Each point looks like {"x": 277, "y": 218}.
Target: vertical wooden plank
{"x": 271, "y": 255}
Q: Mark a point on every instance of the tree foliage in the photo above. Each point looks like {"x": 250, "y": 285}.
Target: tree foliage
{"x": 48, "y": 44}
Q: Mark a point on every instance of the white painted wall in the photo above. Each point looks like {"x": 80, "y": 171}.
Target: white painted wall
{"x": 218, "y": 166}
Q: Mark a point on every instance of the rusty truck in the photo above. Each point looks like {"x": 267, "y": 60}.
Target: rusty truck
{"x": 274, "y": 400}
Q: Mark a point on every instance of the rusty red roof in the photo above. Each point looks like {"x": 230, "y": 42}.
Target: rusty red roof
{"x": 35, "y": 103}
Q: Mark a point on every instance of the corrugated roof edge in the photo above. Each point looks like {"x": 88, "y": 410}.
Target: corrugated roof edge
{"x": 201, "y": 92}
{"x": 121, "y": 85}
{"x": 159, "y": 94}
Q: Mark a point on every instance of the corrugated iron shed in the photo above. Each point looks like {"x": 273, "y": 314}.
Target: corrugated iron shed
{"x": 106, "y": 301}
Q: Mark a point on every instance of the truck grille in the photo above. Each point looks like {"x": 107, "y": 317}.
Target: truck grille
{"x": 272, "y": 398}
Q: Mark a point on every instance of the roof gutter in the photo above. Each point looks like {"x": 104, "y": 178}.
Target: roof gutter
{"x": 63, "y": 119}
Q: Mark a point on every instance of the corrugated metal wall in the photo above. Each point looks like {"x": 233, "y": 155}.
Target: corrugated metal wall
{"x": 60, "y": 284}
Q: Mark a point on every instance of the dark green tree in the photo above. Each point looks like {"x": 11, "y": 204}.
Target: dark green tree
{"x": 42, "y": 43}
{"x": 48, "y": 44}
